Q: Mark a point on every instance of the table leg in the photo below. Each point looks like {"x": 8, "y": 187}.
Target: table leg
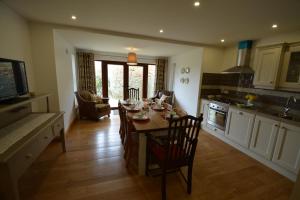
{"x": 142, "y": 153}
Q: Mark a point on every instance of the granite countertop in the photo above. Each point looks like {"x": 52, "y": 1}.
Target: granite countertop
{"x": 265, "y": 112}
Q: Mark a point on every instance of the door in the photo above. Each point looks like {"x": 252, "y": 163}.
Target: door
{"x": 290, "y": 78}
{"x": 287, "y": 148}
{"x": 267, "y": 62}
{"x": 239, "y": 126}
{"x": 115, "y": 84}
{"x": 264, "y": 136}
{"x": 135, "y": 78}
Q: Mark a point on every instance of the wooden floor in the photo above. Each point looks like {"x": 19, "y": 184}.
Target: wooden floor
{"x": 94, "y": 168}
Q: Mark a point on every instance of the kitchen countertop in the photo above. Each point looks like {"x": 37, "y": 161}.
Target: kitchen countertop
{"x": 272, "y": 114}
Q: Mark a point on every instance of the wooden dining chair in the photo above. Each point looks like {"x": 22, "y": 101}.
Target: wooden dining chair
{"x": 176, "y": 150}
{"x": 134, "y": 93}
{"x": 121, "y": 130}
{"x": 130, "y": 143}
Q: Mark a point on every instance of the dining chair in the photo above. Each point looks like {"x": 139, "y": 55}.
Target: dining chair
{"x": 130, "y": 142}
{"x": 134, "y": 93}
{"x": 121, "y": 130}
{"x": 176, "y": 150}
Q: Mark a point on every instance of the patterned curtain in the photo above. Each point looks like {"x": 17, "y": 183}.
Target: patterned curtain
{"x": 86, "y": 71}
{"x": 160, "y": 74}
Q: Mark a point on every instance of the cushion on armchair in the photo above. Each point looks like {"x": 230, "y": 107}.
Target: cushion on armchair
{"x": 101, "y": 106}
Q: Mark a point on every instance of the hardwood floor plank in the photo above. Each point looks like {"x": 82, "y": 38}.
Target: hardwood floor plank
{"x": 94, "y": 168}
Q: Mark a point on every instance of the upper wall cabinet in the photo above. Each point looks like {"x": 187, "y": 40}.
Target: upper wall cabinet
{"x": 290, "y": 76}
{"x": 267, "y": 63}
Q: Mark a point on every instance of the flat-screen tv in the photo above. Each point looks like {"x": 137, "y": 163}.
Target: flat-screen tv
{"x": 13, "y": 80}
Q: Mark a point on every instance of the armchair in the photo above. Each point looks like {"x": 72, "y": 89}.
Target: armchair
{"x": 160, "y": 93}
{"x": 92, "y": 108}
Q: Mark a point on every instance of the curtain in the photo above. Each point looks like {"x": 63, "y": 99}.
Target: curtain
{"x": 86, "y": 71}
{"x": 161, "y": 65}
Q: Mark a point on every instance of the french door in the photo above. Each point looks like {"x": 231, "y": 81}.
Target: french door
{"x": 114, "y": 78}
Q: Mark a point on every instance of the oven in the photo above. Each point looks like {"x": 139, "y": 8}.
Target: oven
{"x": 217, "y": 115}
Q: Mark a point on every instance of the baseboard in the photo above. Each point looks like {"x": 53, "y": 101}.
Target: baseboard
{"x": 253, "y": 155}
{"x": 70, "y": 126}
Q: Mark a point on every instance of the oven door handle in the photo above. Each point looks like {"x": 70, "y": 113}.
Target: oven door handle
{"x": 218, "y": 111}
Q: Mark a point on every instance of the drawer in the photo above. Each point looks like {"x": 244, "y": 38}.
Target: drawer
{"x": 27, "y": 154}
{"x": 57, "y": 126}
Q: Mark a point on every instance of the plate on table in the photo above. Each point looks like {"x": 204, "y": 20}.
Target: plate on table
{"x": 156, "y": 108}
{"x": 140, "y": 117}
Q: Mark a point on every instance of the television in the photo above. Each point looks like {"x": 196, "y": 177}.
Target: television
{"x": 13, "y": 79}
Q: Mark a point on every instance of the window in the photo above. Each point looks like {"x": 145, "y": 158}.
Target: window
{"x": 98, "y": 71}
{"x": 151, "y": 80}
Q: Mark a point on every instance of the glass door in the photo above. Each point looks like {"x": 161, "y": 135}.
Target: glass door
{"x": 135, "y": 79}
{"x": 115, "y": 80}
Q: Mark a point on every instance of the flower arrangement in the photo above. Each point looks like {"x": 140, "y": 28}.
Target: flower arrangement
{"x": 250, "y": 98}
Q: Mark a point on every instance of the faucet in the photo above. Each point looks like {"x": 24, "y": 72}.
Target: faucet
{"x": 287, "y": 108}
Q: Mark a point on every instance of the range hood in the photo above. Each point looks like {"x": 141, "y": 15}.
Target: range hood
{"x": 243, "y": 59}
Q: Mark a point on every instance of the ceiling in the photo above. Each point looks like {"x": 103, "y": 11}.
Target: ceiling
{"x": 232, "y": 20}
{"x": 116, "y": 44}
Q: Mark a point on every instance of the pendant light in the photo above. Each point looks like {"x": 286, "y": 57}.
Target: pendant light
{"x": 131, "y": 59}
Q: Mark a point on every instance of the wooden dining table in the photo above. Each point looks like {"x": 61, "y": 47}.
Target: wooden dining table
{"x": 157, "y": 124}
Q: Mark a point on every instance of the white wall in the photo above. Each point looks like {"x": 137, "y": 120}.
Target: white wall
{"x": 65, "y": 83}
{"x": 15, "y": 40}
{"x": 186, "y": 95}
{"x": 212, "y": 59}
{"x": 43, "y": 57}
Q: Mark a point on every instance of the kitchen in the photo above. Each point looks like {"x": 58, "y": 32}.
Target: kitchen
{"x": 255, "y": 105}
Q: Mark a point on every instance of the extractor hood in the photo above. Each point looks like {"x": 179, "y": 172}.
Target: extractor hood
{"x": 243, "y": 59}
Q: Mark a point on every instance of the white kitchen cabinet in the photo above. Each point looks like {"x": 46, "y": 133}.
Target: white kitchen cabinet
{"x": 264, "y": 136}
{"x": 290, "y": 76}
{"x": 267, "y": 62}
{"x": 287, "y": 148}
{"x": 204, "y": 110}
{"x": 239, "y": 126}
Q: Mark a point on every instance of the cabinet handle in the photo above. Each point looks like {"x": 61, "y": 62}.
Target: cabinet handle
{"x": 241, "y": 113}
{"x": 271, "y": 82}
{"x": 46, "y": 137}
{"x": 284, "y": 128}
{"x": 276, "y": 125}
{"x": 28, "y": 156}
{"x": 215, "y": 129}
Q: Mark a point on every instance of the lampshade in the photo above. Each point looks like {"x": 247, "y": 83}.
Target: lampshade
{"x": 132, "y": 59}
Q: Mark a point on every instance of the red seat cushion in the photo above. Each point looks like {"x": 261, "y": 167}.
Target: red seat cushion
{"x": 160, "y": 152}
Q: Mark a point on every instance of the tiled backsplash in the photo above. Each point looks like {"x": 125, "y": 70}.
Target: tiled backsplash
{"x": 239, "y": 85}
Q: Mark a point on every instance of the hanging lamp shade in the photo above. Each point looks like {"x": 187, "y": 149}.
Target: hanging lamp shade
{"x": 132, "y": 59}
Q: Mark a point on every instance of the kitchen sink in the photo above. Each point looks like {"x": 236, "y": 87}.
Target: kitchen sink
{"x": 289, "y": 117}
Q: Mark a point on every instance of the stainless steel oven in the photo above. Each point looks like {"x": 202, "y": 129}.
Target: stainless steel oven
{"x": 217, "y": 115}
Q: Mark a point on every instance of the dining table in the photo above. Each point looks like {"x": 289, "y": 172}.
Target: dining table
{"x": 156, "y": 123}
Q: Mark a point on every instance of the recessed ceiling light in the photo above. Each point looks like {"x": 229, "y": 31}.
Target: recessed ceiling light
{"x": 73, "y": 17}
{"x": 222, "y": 40}
{"x": 197, "y": 3}
{"x": 132, "y": 49}
{"x": 161, "y": 30}
{"x": 274, "y": 26}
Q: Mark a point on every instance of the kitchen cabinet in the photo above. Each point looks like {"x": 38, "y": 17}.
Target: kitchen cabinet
{"x": 267, "y": 62}
{"x": 204, "y": 110}
{"x": 287, "y": 148}
{"x": 239, "y": 126}
{"x": 264, "y": 136}
{"x": 290, "y": 76}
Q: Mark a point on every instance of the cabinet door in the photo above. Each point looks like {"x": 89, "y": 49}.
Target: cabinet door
{"x": 290, "y": 77}
{"x": 204, "y": 110}
{"x": 239, "y": 126}
{"x": 266, "y": 64}
{"x": 264, "y": 136}
{"x": 287, "y": 149}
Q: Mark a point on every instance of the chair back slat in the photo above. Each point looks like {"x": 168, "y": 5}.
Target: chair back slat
{"x": 182, "y": 138}
{"x": 134, "y": 93}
